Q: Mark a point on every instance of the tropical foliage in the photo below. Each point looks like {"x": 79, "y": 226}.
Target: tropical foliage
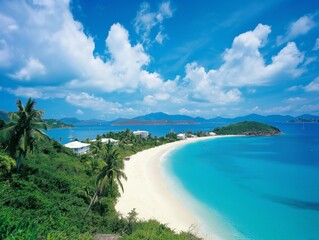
{"x": 23, "y": 130}
{"x": 52, "y": 191}
{"x": 110, "y": 175}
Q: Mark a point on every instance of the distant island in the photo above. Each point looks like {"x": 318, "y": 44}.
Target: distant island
{"x": 53, "y": 123}
{"x": 248, "y": 128}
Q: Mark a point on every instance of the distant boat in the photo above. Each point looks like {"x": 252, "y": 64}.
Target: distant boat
{"x": 70, "y": 137}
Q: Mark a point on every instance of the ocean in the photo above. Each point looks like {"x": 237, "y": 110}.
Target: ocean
{"x": 259, "y": 188}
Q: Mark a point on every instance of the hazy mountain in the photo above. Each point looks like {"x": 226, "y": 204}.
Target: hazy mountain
{"x": 164, "y": 116}
{"x": 308, "y": 116}
{"x": 160, "y": 118}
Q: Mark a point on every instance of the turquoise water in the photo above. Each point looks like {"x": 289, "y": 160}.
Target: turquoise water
{"x": 266, "y": 188}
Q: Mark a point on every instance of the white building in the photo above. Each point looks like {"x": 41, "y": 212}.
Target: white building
{"x": 78, "y": 147}
{"x": 181, "y": 136}
{"x": 109, "y": 140}
{"x": 143, "y": 134}
{"x": 212, "y": 134}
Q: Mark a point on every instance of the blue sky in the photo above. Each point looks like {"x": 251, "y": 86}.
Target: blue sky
{"x": 114, "y": 58}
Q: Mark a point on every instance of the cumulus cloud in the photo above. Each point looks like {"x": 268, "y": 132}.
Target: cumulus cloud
{"x": 26, "y": 92}
{"x": 203, "y": 87}
{"x": 313, "y": 86}
{"x": 37, "y": 92}
{"x": 40, "y": 40}
{"x": 50, "y": 42}
{"x": 33, "y": 69}
{"x": 244, "y": 66}
{"x": 86, "y": 100}
{"x": 89, "y": 101}
{"x": 300, "y": 27}
{"x": 146, "y": 20}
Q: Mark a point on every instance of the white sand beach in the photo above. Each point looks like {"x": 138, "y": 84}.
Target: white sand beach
{"x": 148, "y": 192}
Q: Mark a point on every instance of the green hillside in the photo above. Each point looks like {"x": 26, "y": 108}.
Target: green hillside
{"x": 51, "y": 193}
{"x": 249, "y": 128}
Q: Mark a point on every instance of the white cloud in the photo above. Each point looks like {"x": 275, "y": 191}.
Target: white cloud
{"x": 294, "y": 88}
{"x": 57, "y": 46}
{"x": 296, "y": 100}
{"x": 149, "y": 100}
{"x": 37, "y": 92}
{"x": 300, "y": 27}
{"x": 146, "y": 20}
{"x": 316, "y": 46}
{"x": 79, "y": 112}
{"x": 203, "y": 87}
{"x": 313, "y": 86}
{"x": 26, "y": 92}
{"x": 244, "y": 66}
{"x": 33, "y": 69}
{"x": 160, "y": 37}
{"x": 85, "y": 100}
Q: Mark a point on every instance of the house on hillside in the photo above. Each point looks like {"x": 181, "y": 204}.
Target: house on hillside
{"x": 78, "y": 147}
{"x": 212, "y": 134}
{"x": 143, "y": 134}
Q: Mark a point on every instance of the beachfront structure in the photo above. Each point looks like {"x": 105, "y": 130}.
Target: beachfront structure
{"x": 212, "y": 134}
{"x": 109, "y": 140}
{"x": 181, "y": 136}
{"x": 143, "y": 134}
{"x": 191, "y": 136}
{"x": 78, "y": 147}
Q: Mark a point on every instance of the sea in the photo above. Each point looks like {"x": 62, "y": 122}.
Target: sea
{"x": 254, "y": 188}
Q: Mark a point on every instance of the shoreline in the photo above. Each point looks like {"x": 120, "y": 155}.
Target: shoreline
{"x": 149, "y": 192}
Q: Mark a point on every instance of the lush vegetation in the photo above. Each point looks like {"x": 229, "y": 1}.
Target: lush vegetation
{"x": 53, "y": 123}
{"x": 247, "y": 128}
{"x": 58, "y": 195}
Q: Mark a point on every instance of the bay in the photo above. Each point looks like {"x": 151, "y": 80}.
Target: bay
{"x": 263, "y": 188}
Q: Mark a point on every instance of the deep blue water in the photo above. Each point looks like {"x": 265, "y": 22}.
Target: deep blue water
{"x": 266, "y": 188}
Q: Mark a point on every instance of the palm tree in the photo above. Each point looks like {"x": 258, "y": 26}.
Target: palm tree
{"x": 23, "y": 130}
{"x": 111, "y": 173}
